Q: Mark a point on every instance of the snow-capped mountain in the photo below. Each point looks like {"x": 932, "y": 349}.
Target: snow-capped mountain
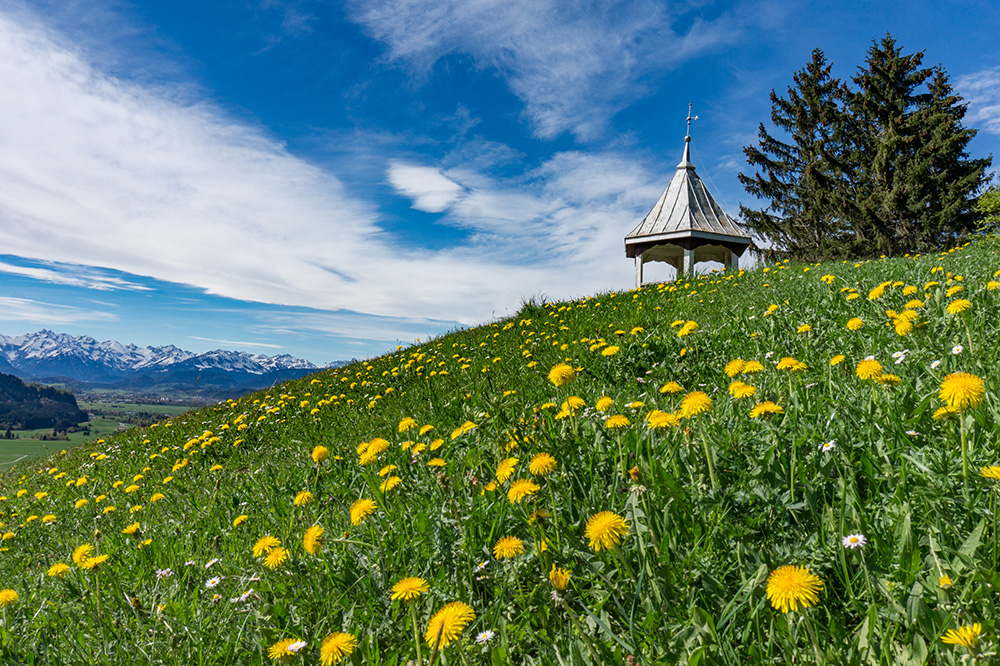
{"x": 49, "y": 355}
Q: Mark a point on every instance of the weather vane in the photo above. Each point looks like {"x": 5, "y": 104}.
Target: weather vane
{"x": 689, "y": 119}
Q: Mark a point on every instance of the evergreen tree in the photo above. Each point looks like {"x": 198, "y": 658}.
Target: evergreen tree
{"x": 800, "y": 176}
{"x": 911, "y": 183}
{"x": 883, "y": 169}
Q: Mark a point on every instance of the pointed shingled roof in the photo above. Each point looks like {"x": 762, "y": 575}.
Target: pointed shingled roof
{"x": 686, "y": 209}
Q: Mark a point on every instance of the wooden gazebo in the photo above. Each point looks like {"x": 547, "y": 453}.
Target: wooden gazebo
{"x": 686, "y": 226}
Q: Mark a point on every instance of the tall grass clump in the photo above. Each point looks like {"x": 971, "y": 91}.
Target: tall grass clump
{"x": 797, "y": 464}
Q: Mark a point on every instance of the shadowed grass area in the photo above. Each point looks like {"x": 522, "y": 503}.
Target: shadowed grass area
{"x": 657, "y": 474}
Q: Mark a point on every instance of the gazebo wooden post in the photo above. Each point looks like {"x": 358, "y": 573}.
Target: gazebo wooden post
{"x": 638, "y": 270}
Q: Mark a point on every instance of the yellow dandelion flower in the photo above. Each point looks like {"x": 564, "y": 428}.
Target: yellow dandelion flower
{"x": 390, "y": 483}
{"x": 606, "y": 530}
{"x": 541, "y": 464}
{"x": 82, "y": 553}
{"x": 740, "y": 390}
{"x": 80, "y": 503}
{"x": 902, "y": 326}
{"x": 156, "y": 497}
{"x": 734, "y": 367}
{"x": 8, "y": 597}
{"x": 312, "y": 540}
{"x": 944, "y": 582}
{"x": 304, "y": 497}
{"x": 335, "y": 647}
{"x": 687, "y": 328}
{"x": 604, "y": 403}
{"x": 961, "y": 390}
{"x": 409, "y": 588}
{"x": 993, "y": 285}
{"x": 239, "y": 520}
{"x": 319, "y": 454}
{"x": 658, "y": 420}
{"x": 92, "y": 563}
{"x": 462, "y": 429}
{"x": 436, "y": 462}
{"x": 559, "y": 578}
{"x": 792, "y": 587}
{"x": 869, "y": 368}
{"x": 671, "y": 387}
{"x": 991, "y": 472}
{"x": 265, "y": 545}
{"x": 562, "y": 374}
{"x": 945, "y": 412}
{"x": 765, "y": 410}
{"x": 425, "y": 429}
{"x": 804, "y": 328}
{"x": 855, "y": 323}
{"x": 447, "y": 624}
{"x": 610, "y": 350}
{"x": 505, "y": 469}
{"x": 574, "y": 403}
{"x": 837, "y": 360}
{"x": 616, "y": 422}
{"x": 791, "y": 364}
{"x": 275, "y": 558}
{"x": 966, "y": 636}
{"x": 752, "y": 367}
{"x": 58, "y": 569}
{"x": 695, "y": 403}
{"x": 361, "y": 509}
{"x": 132, "y": 529}
{"x": 953, "y": 290}
{"x": 407, "y": 423}
{"x": 280, "y": 650}
{"x": 520, "y": 489}
{"x": 508, "y": 546}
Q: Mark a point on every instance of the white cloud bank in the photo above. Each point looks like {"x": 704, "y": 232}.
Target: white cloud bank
{"x": 97, "y": 171}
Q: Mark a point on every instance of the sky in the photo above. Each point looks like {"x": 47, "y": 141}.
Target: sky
{"x": 333, "y": 179}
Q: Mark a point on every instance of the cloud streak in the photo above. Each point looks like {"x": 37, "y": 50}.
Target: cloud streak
{"x": 574, "y": 63}
{"x": 24, "y": 309}
{"x": 982, "y": 91}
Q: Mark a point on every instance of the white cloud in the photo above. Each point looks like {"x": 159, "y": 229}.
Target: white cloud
{"x": 982, "y": 91}
{"x": 23, "y": 309}
{"x": 73, "y": 276}
{"x": 430, "y": 190}
{"x": 237, "y": 343}
{"x": 574, "y": 63}
{"x": 98, "y": 171}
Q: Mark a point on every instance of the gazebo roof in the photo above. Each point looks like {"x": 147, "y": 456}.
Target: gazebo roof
{"x": 685, "y": 210}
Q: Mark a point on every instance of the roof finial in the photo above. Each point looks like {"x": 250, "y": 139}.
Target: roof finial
{"x": 686, "y": 162}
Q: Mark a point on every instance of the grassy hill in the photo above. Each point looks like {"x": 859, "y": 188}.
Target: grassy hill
{"x": 652, "y": 476}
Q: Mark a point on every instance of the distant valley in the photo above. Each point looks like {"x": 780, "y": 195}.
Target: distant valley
{"x": 89, "y": 367}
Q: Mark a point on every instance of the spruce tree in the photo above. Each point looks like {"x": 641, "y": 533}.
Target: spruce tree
{"x": 911, "y": 185}
{"x": 800, "y": 173}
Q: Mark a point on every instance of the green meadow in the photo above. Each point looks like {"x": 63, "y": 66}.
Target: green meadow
{"x": 795, "y": 464}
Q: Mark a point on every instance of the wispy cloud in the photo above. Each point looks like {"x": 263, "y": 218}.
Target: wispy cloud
{"x": 150, "y": 181}
{"x": 982, "y": 91}
{"x": 23, "y": 309}
{"x": 237, "y": 343}
{"x": 73, "y": 276}
{"x": 574, "y": 63}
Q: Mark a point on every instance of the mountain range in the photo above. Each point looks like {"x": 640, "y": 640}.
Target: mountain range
{"x": 83, "y": 362}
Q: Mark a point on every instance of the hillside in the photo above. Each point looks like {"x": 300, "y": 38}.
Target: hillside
{"x": 652, "y": 476}
{"x": 24, "y": 406}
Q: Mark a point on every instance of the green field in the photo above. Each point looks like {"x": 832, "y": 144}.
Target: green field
{"x": 798, "y": 464}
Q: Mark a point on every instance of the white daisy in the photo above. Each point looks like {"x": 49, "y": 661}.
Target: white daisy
{"x": 853, "y": 541}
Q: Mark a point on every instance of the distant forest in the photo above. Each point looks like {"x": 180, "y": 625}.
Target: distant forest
{"x": 29, "y": 406}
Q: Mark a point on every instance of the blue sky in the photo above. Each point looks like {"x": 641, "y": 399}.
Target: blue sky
{"x": 331, "y": 179}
